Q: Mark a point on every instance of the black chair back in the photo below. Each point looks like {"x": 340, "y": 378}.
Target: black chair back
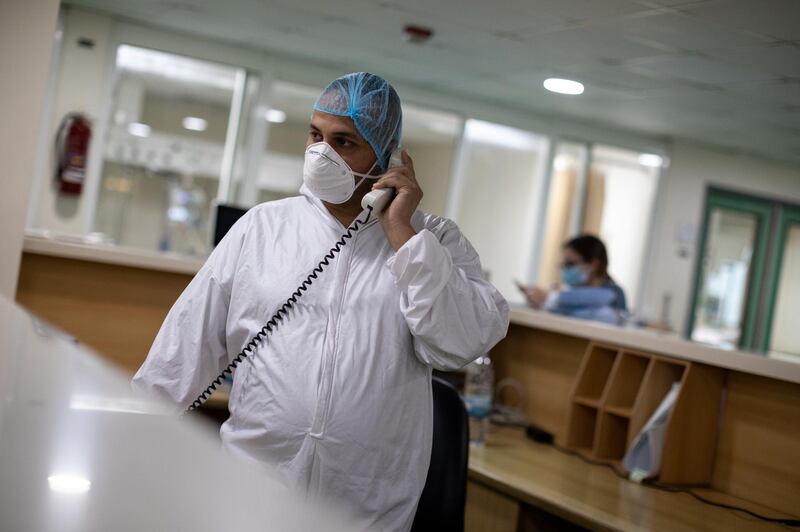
{"x": 441, "y": 506}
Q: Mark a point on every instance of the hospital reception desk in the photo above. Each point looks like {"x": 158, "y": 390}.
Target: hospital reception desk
{"x": 733, "y": 436}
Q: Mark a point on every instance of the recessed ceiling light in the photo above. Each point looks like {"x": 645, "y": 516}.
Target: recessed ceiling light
{"x": 276, "y": 116}
{"x": 563, "y": 86}
{"x": 561, "y": 163}
{"x": 137, "y": 129}
{"x": 120, "y": 116}
{"x": 651, "y": 159}
{"x": 68, "y": 484}
{"x": 193, "y": 123}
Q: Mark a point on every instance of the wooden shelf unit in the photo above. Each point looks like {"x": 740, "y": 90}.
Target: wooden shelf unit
{"x": 615, "y": 392}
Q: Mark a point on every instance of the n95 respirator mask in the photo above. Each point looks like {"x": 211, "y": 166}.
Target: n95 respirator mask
{"x": 328, "y": 177}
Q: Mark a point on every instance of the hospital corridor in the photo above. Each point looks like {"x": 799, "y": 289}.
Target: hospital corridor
{"x": 450, "y": 266}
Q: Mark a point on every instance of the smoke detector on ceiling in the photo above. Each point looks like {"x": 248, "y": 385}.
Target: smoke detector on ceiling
{"x": 417, "y": 34}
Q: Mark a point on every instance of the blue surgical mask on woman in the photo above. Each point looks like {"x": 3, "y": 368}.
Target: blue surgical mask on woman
{"x": 573, "y": 275}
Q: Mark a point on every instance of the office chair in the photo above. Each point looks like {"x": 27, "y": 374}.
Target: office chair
{"x": 441, "y": 506}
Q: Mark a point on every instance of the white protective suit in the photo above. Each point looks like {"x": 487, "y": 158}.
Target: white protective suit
{"x": 338, "y": 399}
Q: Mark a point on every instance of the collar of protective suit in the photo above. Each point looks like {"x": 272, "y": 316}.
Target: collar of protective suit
{"x": 333, "y": 222}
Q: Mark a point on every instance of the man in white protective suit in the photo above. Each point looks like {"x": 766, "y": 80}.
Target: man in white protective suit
{"x": 336, "y": 399}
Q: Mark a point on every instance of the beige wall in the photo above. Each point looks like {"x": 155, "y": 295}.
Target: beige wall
{"x": 27, "y": 28}
{"x": 289, "y": 138}
{"x": 432, "y": 165}
{"x": 79, "y": 87}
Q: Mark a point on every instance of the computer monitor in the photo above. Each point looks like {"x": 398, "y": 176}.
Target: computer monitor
{"x": 224, "y": 218}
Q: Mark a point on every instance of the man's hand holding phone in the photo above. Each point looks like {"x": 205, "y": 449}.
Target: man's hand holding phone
{"x": 396, "y": 217}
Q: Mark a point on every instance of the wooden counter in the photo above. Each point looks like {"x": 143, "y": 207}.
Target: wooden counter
{"x": 114, "y": 308}
{"x": 670, "y": 344}
{"x": 757, "y": 451}
{"x": 512, "y": 472}
{"x": 75, "y": 248}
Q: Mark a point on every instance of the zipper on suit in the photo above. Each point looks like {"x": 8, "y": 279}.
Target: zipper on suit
{"x": 329, "y": 361}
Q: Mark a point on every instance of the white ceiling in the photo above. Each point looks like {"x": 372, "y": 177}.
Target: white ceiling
{"x": 725, "y": 72}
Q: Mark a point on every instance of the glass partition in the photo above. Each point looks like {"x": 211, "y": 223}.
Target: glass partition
{"x": 498, "y": 179}
{"x": 620, "y": 197}
{"x": 172, "y": 129}
{"x": 783, "y": 334}
{"x": 726, "y": 265}
{"x": 562, "y": 211}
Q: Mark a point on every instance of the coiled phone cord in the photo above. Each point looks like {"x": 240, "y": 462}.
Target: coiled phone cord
{"x": 282, "y": 311}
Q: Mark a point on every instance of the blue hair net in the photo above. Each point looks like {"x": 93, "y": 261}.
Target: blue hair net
{"x": 372, "y": 104}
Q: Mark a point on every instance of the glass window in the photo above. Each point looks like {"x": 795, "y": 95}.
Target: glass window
{"x": 611, "y": 197}
{"x": 563, "y": 208}
{"x": 785, "y": 337}
{"x": 621, "y": 190}
{"x": 431, "y": 138}
{"x": 250, "y": 138}
{"x": 725, "y": 267}
{"x": 281, "y": 172}
{"x": 172, "y": 132}
{"x": 497, "y": 181}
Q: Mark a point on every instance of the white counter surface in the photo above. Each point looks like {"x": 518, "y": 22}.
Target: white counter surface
{"x": 79, "y": 452}
{"x": 111, "y": 254}
{"x": 669, "y": 344}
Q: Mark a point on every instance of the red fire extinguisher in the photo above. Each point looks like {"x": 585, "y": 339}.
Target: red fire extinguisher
{"x": 72, "y": 149}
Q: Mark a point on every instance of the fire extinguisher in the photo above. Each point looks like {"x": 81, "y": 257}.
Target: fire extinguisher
{"x": 72, "y": 148}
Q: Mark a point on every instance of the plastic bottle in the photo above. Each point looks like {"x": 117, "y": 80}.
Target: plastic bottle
{"x": 478, "y": 398}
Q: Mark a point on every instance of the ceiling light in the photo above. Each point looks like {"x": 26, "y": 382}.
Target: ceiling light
{"x": 120, "y": 117}
{"x": 563, "y": 86}
{"x": 137, "y": 129}
{"x": 193, "y": 123}
{"x": 276, "y": 116}
{"x": 651, "y": 159}
{"x": 561, "y": 163}
{"x": 68, "y": 484}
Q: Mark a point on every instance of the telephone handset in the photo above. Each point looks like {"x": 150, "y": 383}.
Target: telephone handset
{"x": 378, "y": 199}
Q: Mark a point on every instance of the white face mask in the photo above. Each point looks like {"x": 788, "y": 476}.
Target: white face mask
{"x": 328, "y": 176}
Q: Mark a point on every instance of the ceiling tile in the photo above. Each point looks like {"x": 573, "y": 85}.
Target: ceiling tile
{"x": 782, "y": 58}
{"x": 774, "y": 18}
{"x": 704, "y": 70}
{"x": 676, "y": 32}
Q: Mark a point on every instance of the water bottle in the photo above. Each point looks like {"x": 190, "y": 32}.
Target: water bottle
{"x": 478, "y": 398}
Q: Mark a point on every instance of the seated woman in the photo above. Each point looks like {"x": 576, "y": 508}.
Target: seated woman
{"x": 586, "y": 291}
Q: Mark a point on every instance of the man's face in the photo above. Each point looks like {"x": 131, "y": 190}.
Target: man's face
{"x": 341, "y": 133}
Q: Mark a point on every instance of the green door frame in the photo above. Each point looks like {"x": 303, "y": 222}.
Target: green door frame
{"x": 788, "y": 216}
{"x": 723, "y": 199}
